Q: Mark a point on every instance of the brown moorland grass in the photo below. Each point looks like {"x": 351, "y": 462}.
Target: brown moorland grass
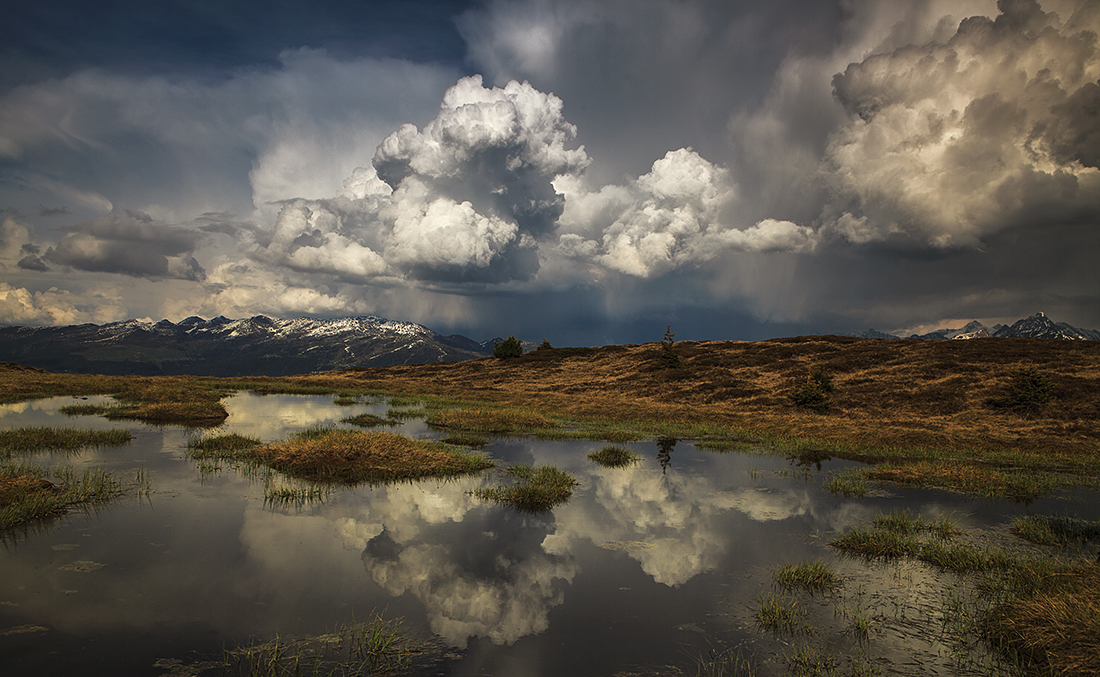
{"x": 1056, "y": 630}
{"x": 892, "y": 399}
{"x": 352, "y": 456}
{"x": 489, "y": 421}
{"x": 887, "y": 392}
{"x": 181, "y": 400}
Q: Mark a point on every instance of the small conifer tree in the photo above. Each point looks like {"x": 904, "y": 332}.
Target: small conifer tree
{"x": 545, "y": 345}
{"x": 508, "y": 348}
{"x": 669, "y": 359}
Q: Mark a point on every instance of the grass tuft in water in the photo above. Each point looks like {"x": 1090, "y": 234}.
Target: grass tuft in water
{"x": 323, "y": 454}
{"x": 1057, "y": 530}
{"x": 296, "y": 497}
{"x": 906, "y": 522}
{"x": 613, "y": 457}
{"x": 221, "y": 445}
{"x": 958, "y": 557}
{"x": 782, "y": 614}
{"x": 377, "y": 646}
{"x": 474, "y": 441}
{"x": 511, "y": 421}
{"x": 850, "y": 482}
{"x": 366, "y": 421}
{"x": 29, "y": 492}
{"x": 406, "y": 414}
{"x": 728, "y": 663}
{"x": 85, "y": 409}
{"x": 813, "y": 576}
{"x": 812, "y": 661}
{"x": 876, "y": 543}
{"x": 31, "y": 440}
{"x": 532, "y": 490}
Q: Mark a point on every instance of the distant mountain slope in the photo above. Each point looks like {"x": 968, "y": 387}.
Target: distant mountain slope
{"x": 1041, "y": 326}
{"x": 258, "y": 345}
{"x": 1036, "y": 326}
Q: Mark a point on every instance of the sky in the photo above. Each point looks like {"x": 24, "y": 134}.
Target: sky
{"x": 585, "y": 172}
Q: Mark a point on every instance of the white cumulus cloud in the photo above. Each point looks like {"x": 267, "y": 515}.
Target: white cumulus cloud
{"x": 675, "y": 215}
{"x": 950, "y": 141}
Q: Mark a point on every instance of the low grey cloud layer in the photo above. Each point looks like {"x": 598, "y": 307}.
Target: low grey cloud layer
{"x": 637, "y": 163}
{"x": 131, "y": 244}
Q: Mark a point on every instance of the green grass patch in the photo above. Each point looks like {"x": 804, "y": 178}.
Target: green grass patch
{"x": 366, "y": 421}
{"x": 877, "y": 543}
{"x": 346, "y": 400}
{"x": 727, "y": 663}
{"x": 983, "y": 480}
{"x": 474, "y": 441}
{"x": 296, "y": 497}
{"x": 35, "y": 439}
{"x": 813, "y": 576}
{"x": 782, "y": 614}
{"x": 222, "y": 446}
{"x": 850, "y": 482}
{"x": 29, "y": 493}
{"x": 961, "y": 558}
{"x": 1057, "y": 530}
{"x": 491, "y": 421}
{"x": 85, "y": 409}
{"x": 377, "y": 646}
{"x": 353, "y": 457}
{"x": 907, "y": 522}
{"x": 406, "y": 414}
{"x": 532, "y": 490}
{"x": 613, "y": 457}
{"x": 812, "y": 661}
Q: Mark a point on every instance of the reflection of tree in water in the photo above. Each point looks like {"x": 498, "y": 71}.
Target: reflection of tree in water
{"x": 809, "y": 457}
{"x": 665, "y": 445}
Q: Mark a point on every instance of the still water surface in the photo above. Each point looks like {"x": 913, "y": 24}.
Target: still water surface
{"x": 645, "y": 569}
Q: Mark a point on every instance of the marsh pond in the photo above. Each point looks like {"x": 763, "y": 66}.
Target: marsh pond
{"x": 666, "y": 566}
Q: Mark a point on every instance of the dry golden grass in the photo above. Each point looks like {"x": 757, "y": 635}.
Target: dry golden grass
{"x": 352, "y": 456}
{"x": 907, "y": 393}
{"x": 897, "y": 394}
{"x": 23, "y": 488}
{"x": 489, "y": 421}
{"x": 1056, "y": 630}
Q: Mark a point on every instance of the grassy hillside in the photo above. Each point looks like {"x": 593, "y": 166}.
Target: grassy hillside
{"x": 887, "y": 392}
{"x": 897, "y": 394}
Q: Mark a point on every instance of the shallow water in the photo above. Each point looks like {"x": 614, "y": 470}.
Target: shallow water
{"x": 645, "y": 569}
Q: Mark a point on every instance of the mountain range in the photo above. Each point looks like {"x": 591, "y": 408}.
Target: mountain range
{"x": 1036, "y": 326}
{"x": 256, "y": 346}
{"x": 262, "y": 346}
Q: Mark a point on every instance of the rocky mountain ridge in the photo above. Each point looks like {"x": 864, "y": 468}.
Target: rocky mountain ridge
{"x": 258, "y": 345}
{"x": 263, "y": 346}
{"x": 1036, "y": 326}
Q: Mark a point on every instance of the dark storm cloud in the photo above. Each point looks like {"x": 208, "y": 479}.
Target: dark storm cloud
{"x": 1072, "y": 133}
{"x": 642, "y": 77}
{"x": 132, "y": 244}
{"x": 743, "y": 169}
{"x": 951, "y": 141}
{"x": 52, "y": 38}
{"x": 32, "y": 260}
